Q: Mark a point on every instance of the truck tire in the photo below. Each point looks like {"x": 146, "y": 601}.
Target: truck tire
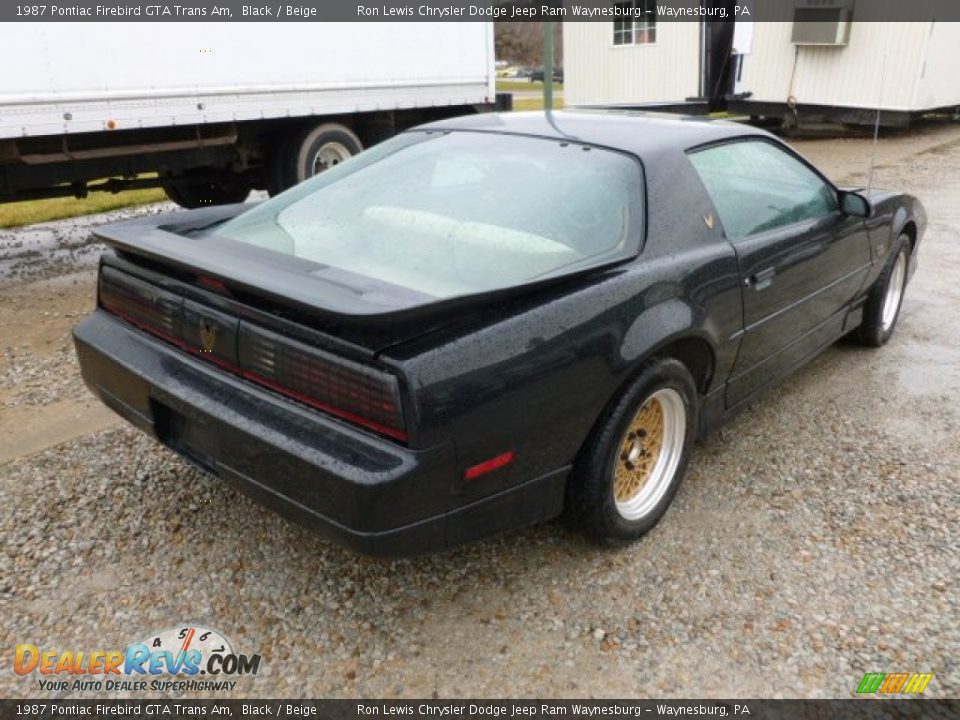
{"x": 310, "y": 152}
{"x": 223, "y": 189}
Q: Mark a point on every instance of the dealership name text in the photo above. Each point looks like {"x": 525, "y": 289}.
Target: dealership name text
{"x": 474, "y": 710}
{"x": 544, "y": 11}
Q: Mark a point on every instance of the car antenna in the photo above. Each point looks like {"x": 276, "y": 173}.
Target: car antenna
{"x": 876, "y": 126}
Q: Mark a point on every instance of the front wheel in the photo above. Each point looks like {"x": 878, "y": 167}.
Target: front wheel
{"x": 882, "y": 309}
{"x": 631, "y": 467}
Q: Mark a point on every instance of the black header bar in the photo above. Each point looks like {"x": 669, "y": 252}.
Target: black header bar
{"x": 487, "y": 709}
{"x": 470, "y": 10}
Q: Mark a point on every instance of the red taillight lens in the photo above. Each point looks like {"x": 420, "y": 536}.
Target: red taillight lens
{"x": 354, "y": 392}
{"x": 340, "y": 387}
{"x": 141, "y": 304}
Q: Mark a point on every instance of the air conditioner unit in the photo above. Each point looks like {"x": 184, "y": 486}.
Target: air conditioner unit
{"x": 822, "y": 22}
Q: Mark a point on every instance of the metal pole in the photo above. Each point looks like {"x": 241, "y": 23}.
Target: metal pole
{"x": 548, "y": 66}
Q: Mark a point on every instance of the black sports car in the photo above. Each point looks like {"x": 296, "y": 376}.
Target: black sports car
{"x": 484, "y": 321}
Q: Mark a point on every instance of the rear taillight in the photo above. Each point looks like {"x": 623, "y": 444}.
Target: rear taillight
{"x": 351, "y": 391}
{"x": 359, "y": 394}
{"x": 142, "y": 304}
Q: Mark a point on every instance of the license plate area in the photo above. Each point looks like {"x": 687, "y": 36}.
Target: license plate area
{"x": 192, "y": 439}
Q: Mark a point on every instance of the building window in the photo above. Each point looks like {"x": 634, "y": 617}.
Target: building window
{"x": 637, "y": 24}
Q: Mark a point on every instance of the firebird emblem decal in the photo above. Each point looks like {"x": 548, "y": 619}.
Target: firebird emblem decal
{"x": 208, "y": 336}
{"x": 708, "y": 220}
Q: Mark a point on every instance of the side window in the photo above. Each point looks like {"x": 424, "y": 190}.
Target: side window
{"x": 757, "y": 187}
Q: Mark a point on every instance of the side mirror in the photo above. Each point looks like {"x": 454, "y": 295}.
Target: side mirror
{"x": 855, "y": 204}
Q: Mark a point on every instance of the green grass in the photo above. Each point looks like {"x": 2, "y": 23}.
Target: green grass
{"x": 536, "y": 104}
{"x": 28, "y": 212}
{"x": 514, "y": 85}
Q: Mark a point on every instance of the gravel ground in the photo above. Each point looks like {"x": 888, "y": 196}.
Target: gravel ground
{"x": 59, "y": 247}
{"x": 814, "y": 540}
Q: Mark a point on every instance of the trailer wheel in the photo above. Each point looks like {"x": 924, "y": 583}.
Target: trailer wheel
{"x": 221, "y": 189}
{"x": 309, "y": 153}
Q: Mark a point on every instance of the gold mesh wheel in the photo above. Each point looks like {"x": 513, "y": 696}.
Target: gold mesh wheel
{"x": 649, "y": 453}
{"x": 639, "y": 451}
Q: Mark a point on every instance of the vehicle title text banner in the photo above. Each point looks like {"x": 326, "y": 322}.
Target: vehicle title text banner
{"x": 473, "y": 11}
{"x": 494, "y": 709}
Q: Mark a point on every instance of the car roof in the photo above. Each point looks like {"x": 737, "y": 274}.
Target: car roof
{"x": 639, "y": 132}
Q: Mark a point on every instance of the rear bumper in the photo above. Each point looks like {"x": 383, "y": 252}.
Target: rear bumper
{"x": 370, "y": 494}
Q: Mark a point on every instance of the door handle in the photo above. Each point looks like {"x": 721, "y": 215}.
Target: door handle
{"x": 763, "y": 279}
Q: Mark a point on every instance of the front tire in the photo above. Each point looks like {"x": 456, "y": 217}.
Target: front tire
{"x": 631, "y": 467}
{"x": 882, "y": 309}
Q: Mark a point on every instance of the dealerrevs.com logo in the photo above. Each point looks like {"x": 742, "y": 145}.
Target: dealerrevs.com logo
{"x": 184, "y": 658}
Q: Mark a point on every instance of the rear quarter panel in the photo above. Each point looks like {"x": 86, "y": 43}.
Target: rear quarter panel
{"x": 534, "y": 374}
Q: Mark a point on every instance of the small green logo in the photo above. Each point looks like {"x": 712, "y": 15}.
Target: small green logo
{"x": 894, "y": 683}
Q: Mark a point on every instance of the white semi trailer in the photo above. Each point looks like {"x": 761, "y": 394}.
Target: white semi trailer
{"x": 210, "y": 111}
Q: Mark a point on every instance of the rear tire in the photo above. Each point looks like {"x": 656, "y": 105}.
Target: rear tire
{"x": 631, "y": 466}
{"x": 310, "y": 152}
{"x": 224, "y": 188}
{"x": 882, "y": 309}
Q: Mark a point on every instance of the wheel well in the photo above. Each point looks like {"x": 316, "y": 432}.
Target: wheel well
{"x": 696, "y": 354}
{"x": 910, "y": 228}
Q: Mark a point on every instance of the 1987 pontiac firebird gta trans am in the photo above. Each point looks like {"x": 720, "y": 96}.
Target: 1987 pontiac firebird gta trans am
{"x": 486, "y": 321}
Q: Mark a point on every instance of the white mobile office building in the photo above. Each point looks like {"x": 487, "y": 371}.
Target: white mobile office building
{"x": 822, "y": 66}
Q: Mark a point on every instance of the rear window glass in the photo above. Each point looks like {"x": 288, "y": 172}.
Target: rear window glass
{"x": 455, "y": 213}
